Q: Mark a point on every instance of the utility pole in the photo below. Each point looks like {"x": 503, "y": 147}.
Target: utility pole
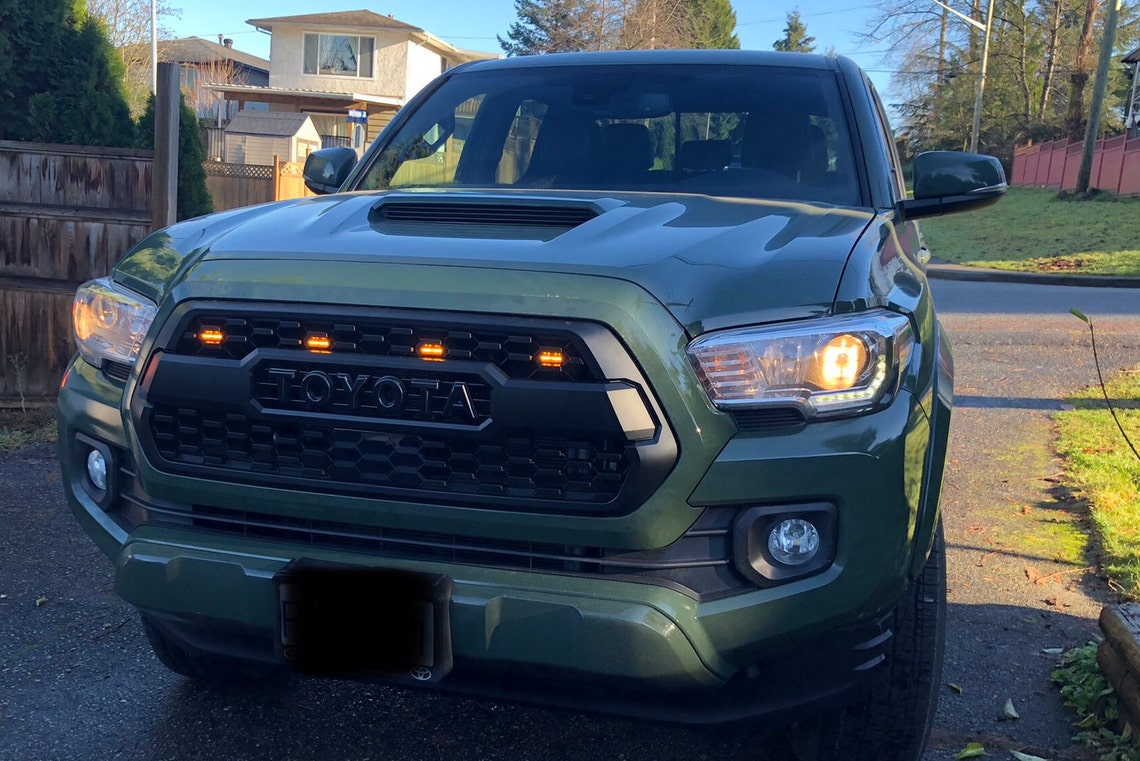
{"x": 1092, "y": 129}
{"x": 985, "y": 28}
{"x": 153, "y": 47}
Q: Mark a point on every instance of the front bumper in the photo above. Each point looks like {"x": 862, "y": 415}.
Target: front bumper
{"x": 634, "y": 647}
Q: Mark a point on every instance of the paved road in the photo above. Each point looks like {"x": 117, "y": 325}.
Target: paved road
{"x": 77, "y": 680}
{"x": 1019, "y": 353}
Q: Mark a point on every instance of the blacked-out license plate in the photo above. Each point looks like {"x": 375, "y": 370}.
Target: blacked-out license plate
{"x": 337, "y": 620}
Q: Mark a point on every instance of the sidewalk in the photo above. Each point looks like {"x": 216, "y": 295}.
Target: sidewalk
{"x": 947, "y": 271}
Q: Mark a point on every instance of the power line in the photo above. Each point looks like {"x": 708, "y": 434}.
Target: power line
{"x": 802, "y": 15}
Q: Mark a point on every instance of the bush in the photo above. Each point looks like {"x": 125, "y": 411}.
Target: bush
{"x": 193, "y": 195}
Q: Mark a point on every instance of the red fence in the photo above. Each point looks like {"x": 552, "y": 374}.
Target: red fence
{"x": 1115, "y": 167}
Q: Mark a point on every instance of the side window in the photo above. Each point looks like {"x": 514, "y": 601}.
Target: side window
{"x": 519, "y": 145}
{"x": 889, "y": 142}
{"x": 428, "y": 154}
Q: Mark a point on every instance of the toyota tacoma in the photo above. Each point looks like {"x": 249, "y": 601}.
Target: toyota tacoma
{"x": 601, "y": 380}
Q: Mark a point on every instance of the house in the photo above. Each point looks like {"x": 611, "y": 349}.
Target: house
{"x": 202, "y": 62}
{"x": 256, "y": 137}
{"x": 326, "y": 64}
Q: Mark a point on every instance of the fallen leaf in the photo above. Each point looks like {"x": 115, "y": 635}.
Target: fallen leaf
{"x": 1009, "y": 711}
{"x": 1052, "y": 600}
{"x": 955, "y": 687}
{"x": 40, "y": 600}
{"x": 1025, "y": 756}
{"x": 973, "y": 750}
{"x": 1032, "y": 574}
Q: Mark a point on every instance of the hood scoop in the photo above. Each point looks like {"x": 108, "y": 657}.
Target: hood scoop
{"x": 477, "y": 219}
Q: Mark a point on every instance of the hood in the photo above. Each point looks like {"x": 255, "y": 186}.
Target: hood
{"x": 712, "y": 262}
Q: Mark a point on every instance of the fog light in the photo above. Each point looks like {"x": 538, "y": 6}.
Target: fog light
{"x": 775, "y": 544}
{"x": 793, "y": 542}
{"x": 97, "y": 469}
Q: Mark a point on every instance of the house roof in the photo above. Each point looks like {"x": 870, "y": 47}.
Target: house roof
{"x": 1133, "y": 57}
{"x": 308, "y": 100}
{"x": 199, "y": 50}
{"x": 367, "y": 19}
{"x": 267, "y": 123}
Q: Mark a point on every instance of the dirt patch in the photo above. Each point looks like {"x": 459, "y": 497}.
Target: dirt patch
{"x": 1060, "y": 264}
{"x": 28, "y": 425}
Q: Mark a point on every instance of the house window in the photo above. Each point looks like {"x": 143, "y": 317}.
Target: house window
{"x": 339, "y": 55}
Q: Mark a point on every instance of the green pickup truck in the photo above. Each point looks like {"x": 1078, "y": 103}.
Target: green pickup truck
{"x": 606, "y": 381}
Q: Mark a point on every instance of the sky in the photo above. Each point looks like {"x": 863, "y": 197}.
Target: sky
{"x": 474, "y": 24}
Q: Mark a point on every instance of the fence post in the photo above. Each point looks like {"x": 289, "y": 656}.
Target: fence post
{"x": 276, "y": 177}
{"x": 164, "y": 175}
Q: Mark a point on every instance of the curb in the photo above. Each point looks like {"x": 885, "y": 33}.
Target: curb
{"x": 941, "y": 271}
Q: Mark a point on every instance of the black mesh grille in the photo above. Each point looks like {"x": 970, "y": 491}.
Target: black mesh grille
{"x": 699, "y": 562}
{"x": 516, "y": 353}
{"x": 547, "y": 467}
{"x": 758, "y": 421}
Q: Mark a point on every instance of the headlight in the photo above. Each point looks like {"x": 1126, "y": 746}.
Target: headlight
{"x": 834, "y": 366}
{"x": 110, "y": 322}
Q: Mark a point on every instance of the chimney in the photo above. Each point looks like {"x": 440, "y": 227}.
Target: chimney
{"x": 228, "y": 42}
{"x": 220, "y": 36}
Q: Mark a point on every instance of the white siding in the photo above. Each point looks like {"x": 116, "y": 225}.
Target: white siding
{"x": 261, "y": 150}
{"x": 423, "y": 67}
{"x": 287, "y": 51}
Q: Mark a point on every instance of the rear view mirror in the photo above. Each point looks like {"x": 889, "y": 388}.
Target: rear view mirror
{"x": 946, "y": 182}
{"x": 327, "y": 169}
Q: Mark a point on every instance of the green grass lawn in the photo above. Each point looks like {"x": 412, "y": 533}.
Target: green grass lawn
{"x": 1102, "y": 469}
{"x": 1031, "y": 230}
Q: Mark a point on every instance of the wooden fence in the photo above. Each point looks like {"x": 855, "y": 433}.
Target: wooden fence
{"x": 67, "y": 213}
{"x": 1115, "y": 167}
{"x": 235, "y": 185}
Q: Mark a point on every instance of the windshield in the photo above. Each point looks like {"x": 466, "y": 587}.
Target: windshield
{"x": 747, "y": 131}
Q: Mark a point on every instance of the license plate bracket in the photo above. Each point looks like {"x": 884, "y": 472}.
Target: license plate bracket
{"x": 351, "y": 621}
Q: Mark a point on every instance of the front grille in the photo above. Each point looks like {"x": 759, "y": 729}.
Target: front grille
{"x": 699, "y": 563}
{"x": 235, "y": 395}
{"x": 530, "y": 467}
{"x": 515, "y": 352}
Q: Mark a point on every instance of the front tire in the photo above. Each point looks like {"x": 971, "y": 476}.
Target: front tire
{"x": 891, "y": 721}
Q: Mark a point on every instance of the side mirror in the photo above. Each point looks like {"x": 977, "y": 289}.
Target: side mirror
{"x": 327, "y": 169}
{"x": 946, "y": 182}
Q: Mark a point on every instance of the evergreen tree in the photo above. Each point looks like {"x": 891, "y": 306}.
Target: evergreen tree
{"x": 556, "y": 26}
{"x": 552, "y": 26}
{"x": 795, "y": 39}
{"x": 714, "y": 24}
{"x": 62, "y": 81}
{"x": 193, "y": 195}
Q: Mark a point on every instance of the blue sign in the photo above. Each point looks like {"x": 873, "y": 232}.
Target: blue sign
{"x": 357, "y": 116}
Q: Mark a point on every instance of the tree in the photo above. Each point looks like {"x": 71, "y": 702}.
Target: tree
{"x": 714, "y": 24}
{"x": 62, "y": 79}
{"x": 1041, "y": 52}
{"x": 193, "y": 195}
{"x": 795, "y": 39}
{"x": 128, "y": 29}
{"x": 550, "y": 26}
{"x": 560, "y": 26}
